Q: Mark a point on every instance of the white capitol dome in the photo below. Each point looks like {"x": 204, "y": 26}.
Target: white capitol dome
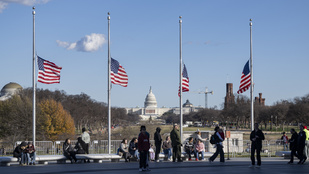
{"x": 150, "y": 100}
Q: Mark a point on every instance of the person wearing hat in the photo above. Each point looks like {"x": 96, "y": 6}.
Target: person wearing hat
{"x": 86, "y": 138}
{"x": 176, "y": 143}
{"x": 197, "y": 136}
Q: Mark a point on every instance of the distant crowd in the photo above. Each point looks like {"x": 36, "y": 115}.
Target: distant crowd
{"x": 140, "y": 149}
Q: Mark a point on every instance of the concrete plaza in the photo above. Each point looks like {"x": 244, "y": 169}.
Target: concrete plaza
{"x": 232, "y": 166}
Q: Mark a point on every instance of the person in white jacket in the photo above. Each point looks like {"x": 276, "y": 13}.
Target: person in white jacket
{"x": 86, "y": 138}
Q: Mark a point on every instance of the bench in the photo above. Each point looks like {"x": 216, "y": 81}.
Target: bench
{"x": 6, "y": 160}
{"x": 44, "y": 159}
{"x": 285, "y": 154}
{"x": 185, "y": 156}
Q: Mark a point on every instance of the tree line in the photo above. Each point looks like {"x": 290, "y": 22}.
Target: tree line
{"x": 238, "y": 114}
{"x": 58, "y": 115}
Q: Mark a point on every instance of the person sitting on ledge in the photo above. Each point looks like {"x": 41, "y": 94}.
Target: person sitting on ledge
{"x": 68, "y": 151}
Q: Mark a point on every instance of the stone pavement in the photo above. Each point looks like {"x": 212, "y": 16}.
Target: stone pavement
{"x": 233, "y": 166}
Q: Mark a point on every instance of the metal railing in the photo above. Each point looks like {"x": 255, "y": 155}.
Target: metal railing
{"x": 235, "y": 148}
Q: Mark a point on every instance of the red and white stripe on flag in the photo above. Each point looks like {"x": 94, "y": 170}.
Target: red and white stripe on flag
{"x": 48, "y": 72}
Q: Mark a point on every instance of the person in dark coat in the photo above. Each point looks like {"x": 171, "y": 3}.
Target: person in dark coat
{"x": 301, "y": 145}
{"x": 293, "y": 145}
{"x": 133, "y": 148}
{"x": 256, "y": 137}
{"x": 80, "y": 146}
{"x": 158, "y": 142}
{"x": 176, "y": 143}
{"x": 219, "y": 137}
{"x": 18, "y": 151}
{"x": 143, "y": 148}
{"x": 68, "y": 151}
{"x": 189, "y": 148}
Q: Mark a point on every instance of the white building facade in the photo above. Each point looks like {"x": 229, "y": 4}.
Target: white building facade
{"x": 151, "y": 110}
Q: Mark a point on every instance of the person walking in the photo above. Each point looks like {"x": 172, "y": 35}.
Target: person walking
{"x": 306, "y": 149}
{"x": 293, "y": 145}
{"x": 158, "y": 142}
{"x": 86, "y": 138}
{"x": 219, "y": 138}
{"x": 256, "y": 137}
{"x": 176, "y": 143}
{"x": 301, "y": 140}
{"x": 143, "y": 148}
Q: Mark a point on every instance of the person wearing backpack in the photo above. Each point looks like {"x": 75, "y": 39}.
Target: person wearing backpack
{"x": 217, "y": 140}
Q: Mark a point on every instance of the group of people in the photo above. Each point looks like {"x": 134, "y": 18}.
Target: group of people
{"x": 140, "y": 147}
{"x": 128, "y": 151}
{"x": 299, "y": 145}
{"x": 81, "y": 147}
{"x": 25, "y": 153}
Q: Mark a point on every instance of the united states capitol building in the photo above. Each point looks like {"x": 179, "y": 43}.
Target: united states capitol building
{"x": 151, "y": 110}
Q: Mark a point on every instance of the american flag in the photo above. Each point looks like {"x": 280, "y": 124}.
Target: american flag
{"x": 245, "y": 81}
{"x": 118, "y": 74}
{"x": 48, "y": 72}
{"x": 185, "y": 80}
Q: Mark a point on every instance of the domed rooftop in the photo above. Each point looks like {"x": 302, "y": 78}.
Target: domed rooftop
{"x": 9, "y": 89}
{"x": 150, "y": 100}
{"x": 187, "y": 104}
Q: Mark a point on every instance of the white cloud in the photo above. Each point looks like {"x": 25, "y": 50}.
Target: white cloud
{"x": 5, "y": 3}
{"x": 88, "y": 43}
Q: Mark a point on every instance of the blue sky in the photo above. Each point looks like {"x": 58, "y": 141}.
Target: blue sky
{"x": 145, "y": 40}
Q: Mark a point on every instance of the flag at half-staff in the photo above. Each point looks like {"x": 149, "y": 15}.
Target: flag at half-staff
{"x": 184, "y": 81}
{"x": 49, "y": 72}
{"x": 118, "y": 74}
{"x": 245, "y": 81}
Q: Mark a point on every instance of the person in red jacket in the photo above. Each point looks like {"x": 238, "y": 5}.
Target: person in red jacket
{"x": 143, "y": 148}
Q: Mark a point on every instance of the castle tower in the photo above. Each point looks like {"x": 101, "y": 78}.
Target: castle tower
{"x": 229, "y": 97}
{"x": 260, "y": 100}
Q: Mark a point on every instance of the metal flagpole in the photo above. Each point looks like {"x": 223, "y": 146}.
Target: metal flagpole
{"x": 109, "y": 87}
{"x": 180, "y": 79}
{"x": 251, "y": 87}
{"x": 33, "y": 78}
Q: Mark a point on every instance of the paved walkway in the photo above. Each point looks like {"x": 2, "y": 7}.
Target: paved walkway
{"x": 233, "y": 166}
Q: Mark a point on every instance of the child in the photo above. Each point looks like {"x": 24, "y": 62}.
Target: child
{"x": 199, "y": 149}
{"x": 152, "y": 153}
{"x": 143, "y": 148}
